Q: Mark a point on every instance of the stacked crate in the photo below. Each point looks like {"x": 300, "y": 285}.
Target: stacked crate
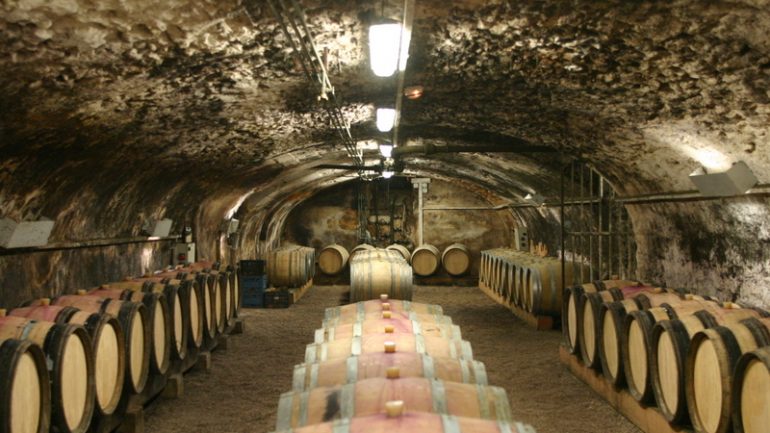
{"x": 395, "y": 365}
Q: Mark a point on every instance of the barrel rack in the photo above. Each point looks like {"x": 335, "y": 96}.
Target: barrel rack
{"x": 167, "y": 387}
{"x": 647, "y": 419}
{"x": 538, "y": 323}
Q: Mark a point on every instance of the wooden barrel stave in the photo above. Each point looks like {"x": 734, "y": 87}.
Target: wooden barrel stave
{"x": 368, "y": 397}
{"x": 25, "y": 392}
{"x": 374, "y": 343}
{"x": 358, "y": 329}
{"x": 375, "y": 306}
{"x": 372, "y": 365}
{"x": 388, "y": 316}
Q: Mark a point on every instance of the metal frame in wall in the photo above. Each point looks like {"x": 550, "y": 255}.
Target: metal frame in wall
{"x": 596, "y": 232}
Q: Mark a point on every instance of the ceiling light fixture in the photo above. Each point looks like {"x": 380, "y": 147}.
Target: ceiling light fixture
{"x": 387, "y": 174}
{"x": 386, "y": 117}
{"x": 384, "y": 47}
{"x": 736, "y": 180}
{"x": 386, "y": 150}
{"x": 535, "y": 199}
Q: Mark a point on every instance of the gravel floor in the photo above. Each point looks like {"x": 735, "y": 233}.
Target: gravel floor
{"x": 241, "y": 392}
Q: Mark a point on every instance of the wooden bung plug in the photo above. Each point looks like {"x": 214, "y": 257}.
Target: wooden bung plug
{"x": 384, "y": 297}
{"x": 386, "y": 306}
{"x": 393, "y": 373}
{"x": 45, "y": 301}
{"x": 3, "y": 312}
{"x": 389, "y": 329}
{"x": 390, "y": 347}
{"x": 386, "y": 315}
{"x": 82, "y": 292}
{"x": 394, "y": 408}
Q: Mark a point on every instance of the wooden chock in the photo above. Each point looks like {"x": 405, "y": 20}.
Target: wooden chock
{"x": 393, "y": 373}
{"x": 394, "y": 408}
{"x": 390, "y": 347}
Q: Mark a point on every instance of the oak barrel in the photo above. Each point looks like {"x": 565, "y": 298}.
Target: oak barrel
{"x": 425, "y": 260}
{"x": 108, "y": 348}
{"x": 388, "y": 315}
{"x": 158, "y": 319}
{"x": 25, "y": 393}
{"x": 375, "y": 305}
{"x": 70, "y": 361}
{"x": 572, "y": 295}
{"x": 404, "y": 251}
{"x": 370, "y": 365}
{"x": 369, "y": 396}
{"x": 670, "y": 345}
{"x": 375, "y": 272}
{"x": 373, "y": 343}
{"x": 456, "y": 259}
{"x": 709, "y": 371}
{"x": 358, "y": 329}
{"x": 359, "y": 248}
{"x": 133, "y": 320}
{"x": 411, "y": 422}
{"x": 332, "y": 259}
{"x": 751, "y": 392}
{"x": 290, "y": 266}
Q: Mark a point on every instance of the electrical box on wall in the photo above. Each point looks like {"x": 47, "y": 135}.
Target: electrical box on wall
{"x": 184, "y": 253}
{"x": 521, "y": 238}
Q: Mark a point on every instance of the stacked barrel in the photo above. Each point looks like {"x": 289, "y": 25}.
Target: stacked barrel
{"x": 702, "y": 362}
{"x": 392, "y": 365}
{"x": 524, "y": 280}
{"x": 375, "y": 271}
{"x": 290, "y": 266}
{"x": 104, "y": 348}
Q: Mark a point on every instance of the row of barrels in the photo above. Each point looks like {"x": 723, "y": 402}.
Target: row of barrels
{"x": 425, "y": 259}
{"x": 702, "y": 362}
{"x": 396, "y": 366}
{"x": 72, "y": 362}
{"x": 525, "y": 280}
{"x": 290, "y": 266}
{"x": 375, "y": 271}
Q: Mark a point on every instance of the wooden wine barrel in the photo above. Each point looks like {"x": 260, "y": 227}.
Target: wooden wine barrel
{"x": 70, "y": 362}
{"x": 544, "y": 296}
{"x": 615, "y": 329}
{"x": 404, "y": 251}
{"x": 388, "y": 315}
{"x": 178, "y": 310}
{"x": 108, "y": 348}
{"x": 589, "y": 310}
{"x": 290, "y": 266}
{"x": 359, "y": 248}
{"x": 637, "y": 341}
{"x": 410, "y": 422}
{"x": 709, "y": 371}
{"x": 370, "y": 365}
{"x": 375, "y": 306}
{"x": 133, "y": 320}
{"x": 570, "y": 300}
{"x": 157, "y": 318}
{"x": 456, "y": 259}
{"x": 202, "y": 304}
{"x": 25, "y": 393}
{"x": 425, "y": 260}
{"x": 358, "y": 329}
{"x": 332, "y": 259}
{"x": 751, "y": 392}
{"x": 368, "y": 397}
{"x": 670, "y": 345}
{"x": 374, "y": 343}
{"x": 373, "y": 273}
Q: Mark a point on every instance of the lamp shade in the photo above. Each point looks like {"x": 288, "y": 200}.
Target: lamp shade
{"x": 737, "y": 180}
{"x": 386, "y": 117}
{"x": 384, "y": 47}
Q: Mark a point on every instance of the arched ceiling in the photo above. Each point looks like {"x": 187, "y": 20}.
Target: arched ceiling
{"x": 159, "y": 93}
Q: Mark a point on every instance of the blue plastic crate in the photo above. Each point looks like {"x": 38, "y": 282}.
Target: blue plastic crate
{"x": 254, "y": 290}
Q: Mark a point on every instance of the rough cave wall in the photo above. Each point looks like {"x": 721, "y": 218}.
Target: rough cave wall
{"x": 331, "y": 216}
{"x": 717, "y": 247}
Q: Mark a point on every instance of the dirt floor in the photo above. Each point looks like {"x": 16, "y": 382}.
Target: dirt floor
{"x": 241, "y": 392}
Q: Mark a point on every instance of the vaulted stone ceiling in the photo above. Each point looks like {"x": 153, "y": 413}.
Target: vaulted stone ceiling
{"x": 115, "y": 111}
